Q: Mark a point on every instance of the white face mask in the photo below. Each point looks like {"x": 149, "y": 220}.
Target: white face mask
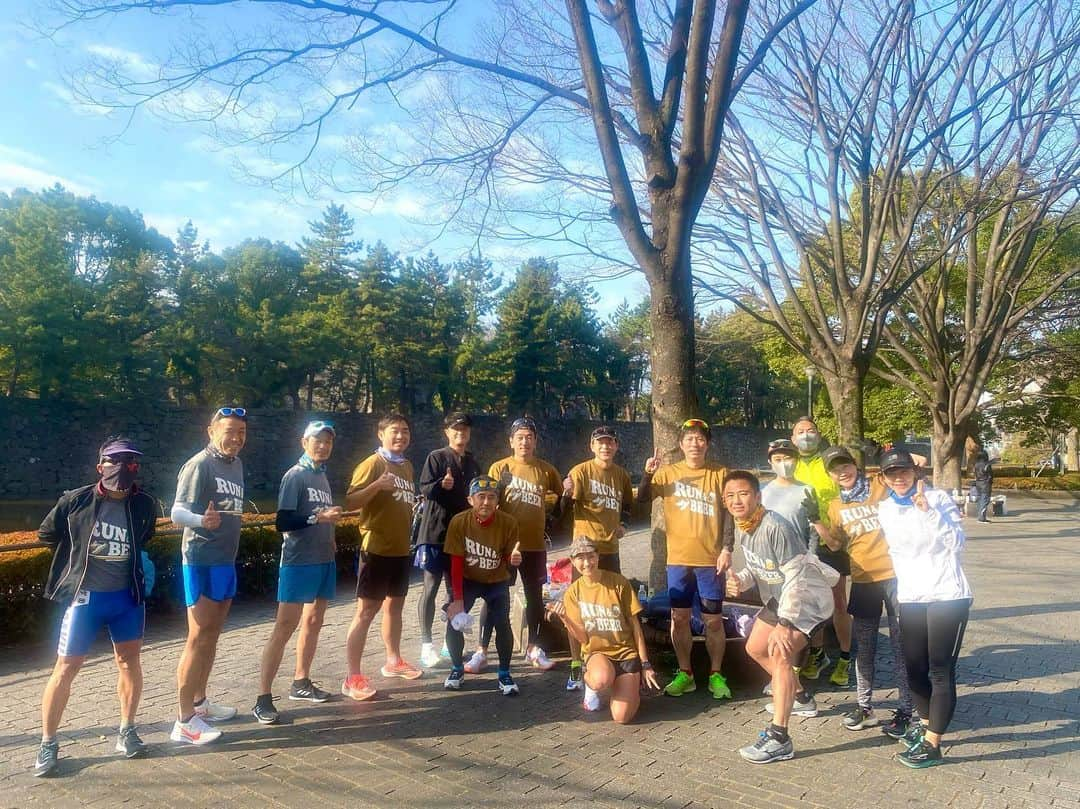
{"x": 784, "y": 469}
{"x": 808, "y": 442}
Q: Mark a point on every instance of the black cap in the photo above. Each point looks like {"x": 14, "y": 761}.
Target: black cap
{"x": 834, "y": 454}
{"x": 604, "y": 431}
{"x": 782, "y": 445}
{"x": 457, "y": 420}
{"x": 896, "y": 459}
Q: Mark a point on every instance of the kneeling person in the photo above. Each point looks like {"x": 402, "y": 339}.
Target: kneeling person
{"x": 600, "y": 611}
{"x": 796, "y": 589}
{"x": 482, "y": 543}
{"x": 307, "y": 578}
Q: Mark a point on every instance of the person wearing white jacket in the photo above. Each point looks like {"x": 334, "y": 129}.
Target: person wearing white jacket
{"x": 923, "y": 530}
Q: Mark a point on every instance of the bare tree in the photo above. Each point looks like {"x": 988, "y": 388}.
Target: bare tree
{"x": 861, "y": 117}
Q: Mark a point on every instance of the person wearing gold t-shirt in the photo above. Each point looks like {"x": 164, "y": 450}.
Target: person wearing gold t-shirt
{"x": 699, "y": 543}
{"x": 601, "y": 612}
{"x": 382, "y": 489}
{"x": 600, "y": 496}
{"x": 529, "y": 489}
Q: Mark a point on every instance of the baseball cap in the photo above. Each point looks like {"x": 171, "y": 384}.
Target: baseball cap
{"x": 604, "y": 431}
{"x": 316, "y": 427}
{"x": 782, "y": 445}
{"x": 118, "y": 446}
{"x": 896, "y": 459}
{"x": 581, "y": 546}
{"x": 457, "y": 419}
{"x": 834, "y": 454}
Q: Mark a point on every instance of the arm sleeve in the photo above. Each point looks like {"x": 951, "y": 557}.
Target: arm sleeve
{"x": 457, "y": 576}
{"x": 627, "y": 511}
{"x": 185, "y": 517}
{"x": 53, "y": 528}
{"x": 289, "y": 520}
{"x": 644, "y": 489}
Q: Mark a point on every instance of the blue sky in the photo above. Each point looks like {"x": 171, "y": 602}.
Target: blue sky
{"x": 173, "y": 171}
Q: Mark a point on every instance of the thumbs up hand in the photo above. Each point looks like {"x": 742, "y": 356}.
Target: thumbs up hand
{"x": 211, "y": 518}
{"x": 448, "y": 480}
{"x": 568, "y": 486}
{"x": 515, "y": 555}
{"x": 920, "y": 496}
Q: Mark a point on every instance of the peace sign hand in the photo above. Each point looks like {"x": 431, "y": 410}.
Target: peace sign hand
{"x": 653, "y": 463}
{"x": 919, "y": 499}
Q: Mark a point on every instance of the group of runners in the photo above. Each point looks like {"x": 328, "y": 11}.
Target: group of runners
{"x": 819, "y": 521}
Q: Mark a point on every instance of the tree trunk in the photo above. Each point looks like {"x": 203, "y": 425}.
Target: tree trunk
{"x": 1072, "y": 450}
{"x": 947, "y": 445}
{"x": 310, "y": 389}
{"x": 845, "y": 389}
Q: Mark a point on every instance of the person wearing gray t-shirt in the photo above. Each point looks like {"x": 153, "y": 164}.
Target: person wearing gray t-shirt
{"x": 209, "y": 504}
{"x": 789, "y": 498}
{"x": 307, "y": 578}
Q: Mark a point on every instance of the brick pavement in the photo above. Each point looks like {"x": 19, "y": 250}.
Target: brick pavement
{"x": 1015, "y": 741}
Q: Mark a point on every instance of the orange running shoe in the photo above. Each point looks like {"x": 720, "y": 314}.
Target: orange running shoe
{"x": 357, "y": 687}
{"x": 405, "y": 671}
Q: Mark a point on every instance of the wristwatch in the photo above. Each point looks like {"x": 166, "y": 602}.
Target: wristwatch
{"x": 313, "y": 518}
{"x": 784, "y": 622}
{"x": 646, "y": 665}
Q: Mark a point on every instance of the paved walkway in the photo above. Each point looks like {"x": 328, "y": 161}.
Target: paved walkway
{"x": 1016, "y": 741}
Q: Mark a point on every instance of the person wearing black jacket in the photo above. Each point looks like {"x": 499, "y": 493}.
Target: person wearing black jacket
{"x": 98, "y": 533}
{"x": 984, "y": 482}
{"x": 444, "y": 484}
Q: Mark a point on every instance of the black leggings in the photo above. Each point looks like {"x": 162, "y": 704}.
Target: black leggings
{"x": 497, "y": 606}
{"x": 931, "y": 635}
{"x": 533, "y": 570}
{"x": 425, "y": 608}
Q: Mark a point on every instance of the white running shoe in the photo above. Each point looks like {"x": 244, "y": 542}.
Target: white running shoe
{"x": 429, "y": 658}
{"x": 194, "y": 731}
{"x": 798, "y": 707}
{"x": 591, "y": 700}
{"x": 212, "y": 712}
{"x": 539, "y": 659}
{"x": 477, "y": 663}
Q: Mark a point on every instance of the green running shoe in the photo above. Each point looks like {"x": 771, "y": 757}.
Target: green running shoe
{"x": 682, "y": 684}
{"x": 718, "y": 686}
{"x": 814, "y": 664}
{"x": 840, "y": 673}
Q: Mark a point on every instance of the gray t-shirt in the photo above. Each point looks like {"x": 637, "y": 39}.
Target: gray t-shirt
{"x": 202, "y": 479}
{"x": 108, "y": 566}
{"x": 769, "y": 548}
{"x": 306, "y": 491}
{"x": 796, "y": 503}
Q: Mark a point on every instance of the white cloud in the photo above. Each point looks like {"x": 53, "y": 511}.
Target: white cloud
{"x": 65, "y": 95}
{"x": 16, "y": 175}
{"x": 32, "y": 64}
{"x": 180, "y": 187}
{"x": 134, "y": 63}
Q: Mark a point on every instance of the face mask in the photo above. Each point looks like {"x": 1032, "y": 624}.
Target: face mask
{"x": 808, "y": 442}
{"x": 118, "y": 477}
{"x": 784, "y": 469}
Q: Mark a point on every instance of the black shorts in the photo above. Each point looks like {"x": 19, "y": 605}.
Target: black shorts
{"x": 533, "y": 568}
{"x": 607, "y": 561}
{"x": 382, "y": 577}
{"x": 837, "y": 560}
{"x": 768, "y": 615}
{"x": 631, "y": 666}
{"x": 867, "y": 599}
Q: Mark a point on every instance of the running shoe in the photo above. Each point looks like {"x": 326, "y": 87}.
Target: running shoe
{"x": 129, "y": 743}
{"x": 357, "y": 687}
{"x": 897, "y": 727}
{"x": 591, "y": 700}
{"x": 538, "y": 658}
{"x": 212, "y": 712}
{"x": 477, "y": 663}
{"x": 264, "y": 711}
{"x": 767, "y": 690}
{"x": 194, "y": 731}
{"x": 429, "y": 658}
{"x": 406, "y": 671}
{"x": 454, "y": 680}
{"x": 718, "y": 686}
{"x": 682, "y": 684}
{"x": 575, "y": 682}
{"x": 444, "y": 653}
{"x": 768, "y": 749}
{"x": 306, "y": 691}
{"x": 860, "y": 718}
{"x": 506, "y": 684}
{"x": 840, "y": 676}
{"x": 47, "y": 757}
{"x": 817, "y": 661}
{"x": 800, "y": 707}
{"x": 921, "y": 755}
{"x": 914, "y": 735}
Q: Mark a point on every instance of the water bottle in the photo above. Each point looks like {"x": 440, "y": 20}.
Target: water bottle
{"x": 642, "y": 596}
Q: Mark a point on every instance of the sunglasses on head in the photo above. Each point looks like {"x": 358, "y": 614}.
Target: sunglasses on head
{"x": 319, "y": 426}
{"x": 237, "y": 412}
{"x": 695, "y": 424}
{"x": 483, "y": 484}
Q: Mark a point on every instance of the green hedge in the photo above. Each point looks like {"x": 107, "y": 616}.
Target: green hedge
{"x": 25, "y": 614}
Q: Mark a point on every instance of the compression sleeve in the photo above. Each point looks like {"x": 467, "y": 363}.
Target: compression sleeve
{"x": 289, "y": 520}
{"x": 185, "y": 517}
{"x": 457, "y": 576}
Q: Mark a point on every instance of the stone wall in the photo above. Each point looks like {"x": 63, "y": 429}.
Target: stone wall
{"x": 46, "y": 448}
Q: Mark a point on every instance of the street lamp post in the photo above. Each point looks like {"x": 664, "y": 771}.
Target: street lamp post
{"x": 810, "y": 390}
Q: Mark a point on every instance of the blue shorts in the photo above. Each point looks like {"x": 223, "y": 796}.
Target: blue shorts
{"x": 216, "y": 582}
{"x": 302, "y": 584}
{"x": 686, "y": 581}
{"x": 90, "y": 611}
{"x": 431, "y": 559}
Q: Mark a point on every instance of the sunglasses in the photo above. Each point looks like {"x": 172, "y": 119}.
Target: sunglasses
{"x": 483, "y": 484}
{"x": 319, "y": 426}
{"x": 523, "y": 424}
{"x": 695, "y": 424}
{"x": 238, "y": 412}
{"x": 128, "y": 461}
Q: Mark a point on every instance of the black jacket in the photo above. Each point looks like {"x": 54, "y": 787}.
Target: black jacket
{"x": 441, "y": 504}
{"x": 68, "y": 528}
{"x": 984, "y": 473}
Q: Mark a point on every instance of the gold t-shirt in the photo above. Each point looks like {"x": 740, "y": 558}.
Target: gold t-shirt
{"x": 693, "y": 511}
{"x": 606, "y": 608}
{"x": 484, "y": 547}
{"x": 533, "y": 487}
{"x": 856, "y": 524}
{"x": 386, "y": 519}
{"x": 599, "y": 498}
